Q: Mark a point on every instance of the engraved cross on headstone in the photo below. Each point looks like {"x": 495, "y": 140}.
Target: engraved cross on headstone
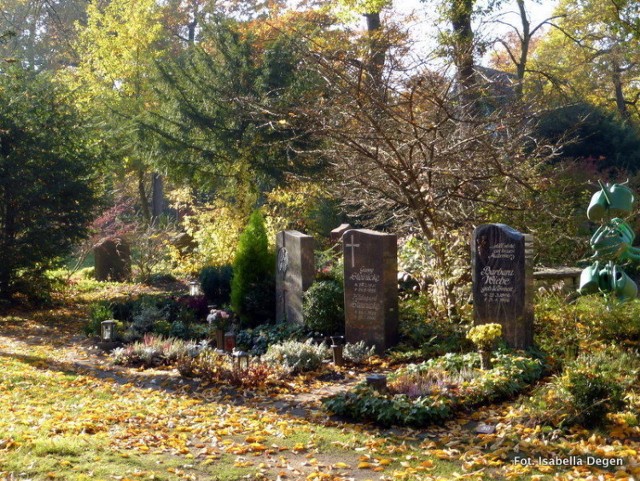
{"x": 353, "y": 253}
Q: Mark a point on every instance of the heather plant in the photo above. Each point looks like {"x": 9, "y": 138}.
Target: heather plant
{"x": 152, "y": 351}
{"x": 211, "y": 367}
{"x": 296, "y": 356}
{"x": 358, "y": 352}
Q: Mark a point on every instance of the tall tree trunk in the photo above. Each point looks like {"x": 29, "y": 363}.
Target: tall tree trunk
{"x": 621, "y": 103}
{"x": 377, "y": 50}
{"x": 460, "y": 16}
{"x": 525, "y": 40}
{"x": 192, "y": 26}
{"x": 7, "y": 241}
{"x": 142, "y": 194}
{"x": 157, "y": 195}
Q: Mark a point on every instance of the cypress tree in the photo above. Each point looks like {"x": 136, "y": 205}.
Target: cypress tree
{"x": 253, "y": 283}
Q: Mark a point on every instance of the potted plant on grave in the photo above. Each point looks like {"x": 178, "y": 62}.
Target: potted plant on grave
{"x": 218, "y": 320}
{"x": 485, "y": 337}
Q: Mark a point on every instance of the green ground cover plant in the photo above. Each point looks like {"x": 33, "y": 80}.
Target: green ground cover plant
{"x": 431, "y": 392}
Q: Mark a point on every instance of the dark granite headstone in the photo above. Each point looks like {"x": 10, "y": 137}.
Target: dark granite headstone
{"x": 295, "y": 271}
{"x": 336, "y": 234}
{"x": 371, "y": 287}
{"x": 502, "y": 260}
{"x": 112, "y": 260}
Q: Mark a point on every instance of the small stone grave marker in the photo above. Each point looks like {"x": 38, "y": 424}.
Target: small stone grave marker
{"x": 370, "y": 288}
{"x": 295, "y": 271}
{"x": 502, "y": 260}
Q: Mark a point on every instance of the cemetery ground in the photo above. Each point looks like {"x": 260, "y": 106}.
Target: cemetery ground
{"x": 68, "y": 413}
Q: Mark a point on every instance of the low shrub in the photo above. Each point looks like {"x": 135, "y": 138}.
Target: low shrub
{"x": 564, "y": 330}
{"x": 424, "y": 334}
{"x": 434, "y": 391}
{"x": 211, "y": 367}
{"x": 144, "y": 321}
{"x": 257, "y": 341}
{"x": 590, "y": 387}
{"x": 296, "y": 357}
{"x": 98, "y": 312}
{"x": 152, "y": 351}
{"x": 180, "y": 330}
{"x": 357, "y": 352}
{"x": 182, "y": 317}
{"x": 323, "y": 307}
{"x": 592, "y": 396}
{"x": 198, "y": 305}
{"x": 215, "y": 282}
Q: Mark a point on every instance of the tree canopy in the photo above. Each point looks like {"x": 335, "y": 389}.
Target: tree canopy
{"x": 46, "y": 185}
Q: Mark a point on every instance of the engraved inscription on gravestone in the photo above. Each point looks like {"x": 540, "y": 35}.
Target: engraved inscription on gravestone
{"x": 503, "y": 281}
{"x": 371, "y": 291}
{"x": 295, "y": 270}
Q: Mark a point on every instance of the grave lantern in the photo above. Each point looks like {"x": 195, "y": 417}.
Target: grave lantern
{"x": 240, "y": 360}
{"x": 194, "y": 289}
{"x": 378, "y": 382}
{"x": 229, "y": 341}
{"x": 108, "y": 330}
{"x": 337, "y": 346}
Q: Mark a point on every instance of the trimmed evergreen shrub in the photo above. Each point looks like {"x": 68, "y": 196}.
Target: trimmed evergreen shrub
{"x": 215, "y": 282}
{"x": 253, "y": 284}
{"x": 323, "y": 307}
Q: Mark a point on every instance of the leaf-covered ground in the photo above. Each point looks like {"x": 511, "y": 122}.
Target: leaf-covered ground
{"x": 66, "y": 413}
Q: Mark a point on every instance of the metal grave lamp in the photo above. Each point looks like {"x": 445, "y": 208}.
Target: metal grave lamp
{"x": 240, "y": 360}
{"x": 108, "y": 330}
{"x": 337, "y": 346}
{"x": 194, "y": 288}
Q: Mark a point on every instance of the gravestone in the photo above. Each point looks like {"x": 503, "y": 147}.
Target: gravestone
{"x": 295, "y": 270}
{"x": 371, "y": 288}
{"x": 336, "y": 234}
{"x": 112, "y": 260}
{"x": 502, "y": 263}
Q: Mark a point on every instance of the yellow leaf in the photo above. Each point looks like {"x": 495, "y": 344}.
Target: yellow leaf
{"x": 364, "y": 465}
{"x": 341, "y": 465}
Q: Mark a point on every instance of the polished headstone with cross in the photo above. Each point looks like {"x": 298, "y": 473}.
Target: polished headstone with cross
{"x": 370, "y": 287}
{"x": 295, "y": 271}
